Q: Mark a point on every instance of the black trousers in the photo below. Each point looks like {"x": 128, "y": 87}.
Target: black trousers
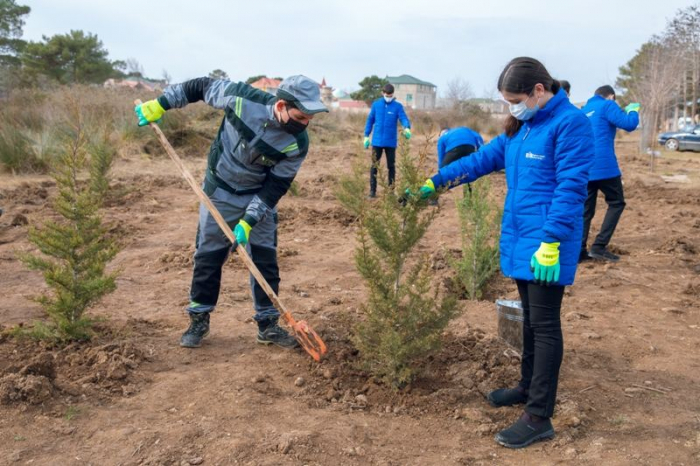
{"x": 543, "y": 345}
{"x": 615, "y": 198}
{"x": 456, "y": 154}
{"x": 390, "y": 164}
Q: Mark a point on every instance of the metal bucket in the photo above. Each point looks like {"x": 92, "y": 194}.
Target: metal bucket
{"x": 510, "y": 323}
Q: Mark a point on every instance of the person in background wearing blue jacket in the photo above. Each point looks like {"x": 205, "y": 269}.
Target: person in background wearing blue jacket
{"x": 455, "y": 143}
{"x": 381, "y": 123}
{"x": 546, "y": 150}
{"x": 605, "y": 117}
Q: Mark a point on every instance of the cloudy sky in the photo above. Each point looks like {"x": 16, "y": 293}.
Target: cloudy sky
{"x": 343, "y": 41}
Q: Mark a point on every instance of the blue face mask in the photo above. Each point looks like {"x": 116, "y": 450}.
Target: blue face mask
{"x": 522, "y": 112}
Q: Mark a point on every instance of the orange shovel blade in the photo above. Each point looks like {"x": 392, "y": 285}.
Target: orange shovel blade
{"x": 309, "y": 340}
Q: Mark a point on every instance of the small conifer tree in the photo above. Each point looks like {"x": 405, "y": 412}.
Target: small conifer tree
{"x": 405, "y": 315}
{"x": 479, "y": 222}
{"x": 76, "y": 248}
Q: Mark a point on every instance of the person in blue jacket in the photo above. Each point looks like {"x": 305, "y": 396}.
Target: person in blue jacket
{"x": 605, "y": 176}
{"x": 546, "y": 150}
{"x": 381, "y": 123}
{"x": 455, "y": 143}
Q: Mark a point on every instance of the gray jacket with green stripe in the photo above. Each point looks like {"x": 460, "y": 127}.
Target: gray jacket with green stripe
{"x": 251, "y": 152}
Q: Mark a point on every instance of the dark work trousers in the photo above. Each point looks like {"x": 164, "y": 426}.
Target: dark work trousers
{"x": 390, "y": 165}
{"x": 615, "y": 198}
{"x": 212, "y": 250}
{"x": 543, "y": 345}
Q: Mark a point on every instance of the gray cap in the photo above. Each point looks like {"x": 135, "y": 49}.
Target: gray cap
{"x": 304, "y": 92}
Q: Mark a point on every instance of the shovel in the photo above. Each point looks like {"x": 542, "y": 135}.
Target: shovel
{"x": 305, "y": 335}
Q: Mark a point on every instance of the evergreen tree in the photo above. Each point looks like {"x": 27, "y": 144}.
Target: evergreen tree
{"x": 75, "y": 249}
{"x": 75, "y": 57}
{"x": 404, "y": 315}
{"x": 480, "y": 229}
{"x": 370, "y": 89}
{"x": 11, "y": 24}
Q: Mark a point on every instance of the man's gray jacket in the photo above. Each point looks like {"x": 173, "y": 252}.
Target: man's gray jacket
{"x": 251, "y": 152}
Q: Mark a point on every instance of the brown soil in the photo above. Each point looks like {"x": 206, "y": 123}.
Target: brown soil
{"x": 628, "y": 387}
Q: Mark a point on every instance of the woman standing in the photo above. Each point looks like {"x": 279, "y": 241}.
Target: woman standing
{"x": 546, "y": 150}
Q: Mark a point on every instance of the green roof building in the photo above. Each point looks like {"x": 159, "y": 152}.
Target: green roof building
{"x": 413, "y": 92}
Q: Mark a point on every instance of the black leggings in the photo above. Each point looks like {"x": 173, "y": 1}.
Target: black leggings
{"x": 543, "y": 345}
{"x": 390, "y": 165}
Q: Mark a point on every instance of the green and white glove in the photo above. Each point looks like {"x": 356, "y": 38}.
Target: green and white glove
{"x": 366, "y": 142}
{"x": 148, "y": 112}
{"x": 407, "y": 133}
{"x": 242, "y": 232}
{"x": 633, "y": 107}
{"x": 545, "y": 264}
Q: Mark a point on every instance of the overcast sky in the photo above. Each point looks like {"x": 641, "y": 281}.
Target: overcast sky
{"x": 343, "y": 41}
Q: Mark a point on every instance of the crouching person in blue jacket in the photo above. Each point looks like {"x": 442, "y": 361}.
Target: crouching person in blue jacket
{"x": 605, "y": 175}
{"x": 546, "y": 150}
{"x": 455, "y": 143}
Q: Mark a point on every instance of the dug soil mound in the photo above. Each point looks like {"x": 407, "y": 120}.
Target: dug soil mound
{"x": 34, "y": 373}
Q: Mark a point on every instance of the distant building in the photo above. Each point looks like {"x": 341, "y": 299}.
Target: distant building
{"x": 267, "y": 84}
{"x": 134, "y": 82}
{"x": 413, "y": 92}
{"x": 494, "y": 106}
{"x": 326, "y": 93}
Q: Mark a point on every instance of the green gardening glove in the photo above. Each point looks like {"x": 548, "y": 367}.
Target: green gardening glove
{"x": 148, "y": 112}
{"x": 633, "y": 107}
{"x": 366, "y": 142}
{"x": 242, "y": 232}
{"x": 425, "y": 191}
{"x": 407, "y": 133}
{"x": 545, "y": 264}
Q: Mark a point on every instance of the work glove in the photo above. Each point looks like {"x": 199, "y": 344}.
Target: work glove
{"x": 633, "y": 107}
{"x": 149, "y": 112}
{"x": 242, "y": 232}
{"x": 545, "y": 264}
{"x": 366, "y": 142}
{"x": 425, "y": 191}
{"x": 407, "y": 133}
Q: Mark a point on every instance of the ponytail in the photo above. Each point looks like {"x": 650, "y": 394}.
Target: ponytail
{"x": 512, "y": 125}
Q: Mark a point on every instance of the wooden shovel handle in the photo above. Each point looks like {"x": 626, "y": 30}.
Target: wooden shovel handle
{"x": 222, "y": 224}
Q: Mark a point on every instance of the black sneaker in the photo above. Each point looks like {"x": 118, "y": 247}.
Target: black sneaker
{"x": 583, "y": 256}
{"x": 199, "y": 328}
{"x": 371, "y": 196}
{"x": 603, "y": 255}
{"x": 507, "y": 397}
{"x": 273, "y": 333}
{"x": 525, "y": 431}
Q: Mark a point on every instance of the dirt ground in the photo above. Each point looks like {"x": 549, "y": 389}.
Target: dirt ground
{"x": 629, "y": 384}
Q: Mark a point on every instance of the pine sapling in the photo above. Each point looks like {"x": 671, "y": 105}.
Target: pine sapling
{"x": 404, "y": 314}
{"x": 76, "y": 248}
{"x": 479, "y": 220}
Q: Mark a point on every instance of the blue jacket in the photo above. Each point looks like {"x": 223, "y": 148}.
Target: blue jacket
{"x": 455, "y": 137}
{"x": 381, "y": 122}
{"x": 546, "y": 165}
{"x": 606, "y": 116}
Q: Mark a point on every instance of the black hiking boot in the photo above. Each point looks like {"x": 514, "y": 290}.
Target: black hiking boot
{"x": 507, "y": 396}
{"x": 270, "y": 332}
{"x": 525, "y": 431}
{"x": 603, "y": 255}
{"x": 199, "y": 328}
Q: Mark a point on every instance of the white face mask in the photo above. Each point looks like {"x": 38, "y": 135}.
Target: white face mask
{"x": 522, "y": 112}
{"x": 388, "y": 98}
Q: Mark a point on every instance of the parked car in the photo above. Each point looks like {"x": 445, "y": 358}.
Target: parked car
{"x": 687, "y": 138}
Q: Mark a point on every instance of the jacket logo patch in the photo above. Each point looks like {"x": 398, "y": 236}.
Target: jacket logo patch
{"x": 530, "y": 155}
{"x": 390, "y": 113}
{"x": 590, "y": 114}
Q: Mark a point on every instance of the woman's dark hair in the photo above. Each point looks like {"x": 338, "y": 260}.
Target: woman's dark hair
{"x": 605, "y": 91}
{"x": 520, "y": 77}
{"x": 565, "y": 85}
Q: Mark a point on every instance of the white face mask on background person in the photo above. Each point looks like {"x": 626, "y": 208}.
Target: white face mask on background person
{"x": 388, "y": 98}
